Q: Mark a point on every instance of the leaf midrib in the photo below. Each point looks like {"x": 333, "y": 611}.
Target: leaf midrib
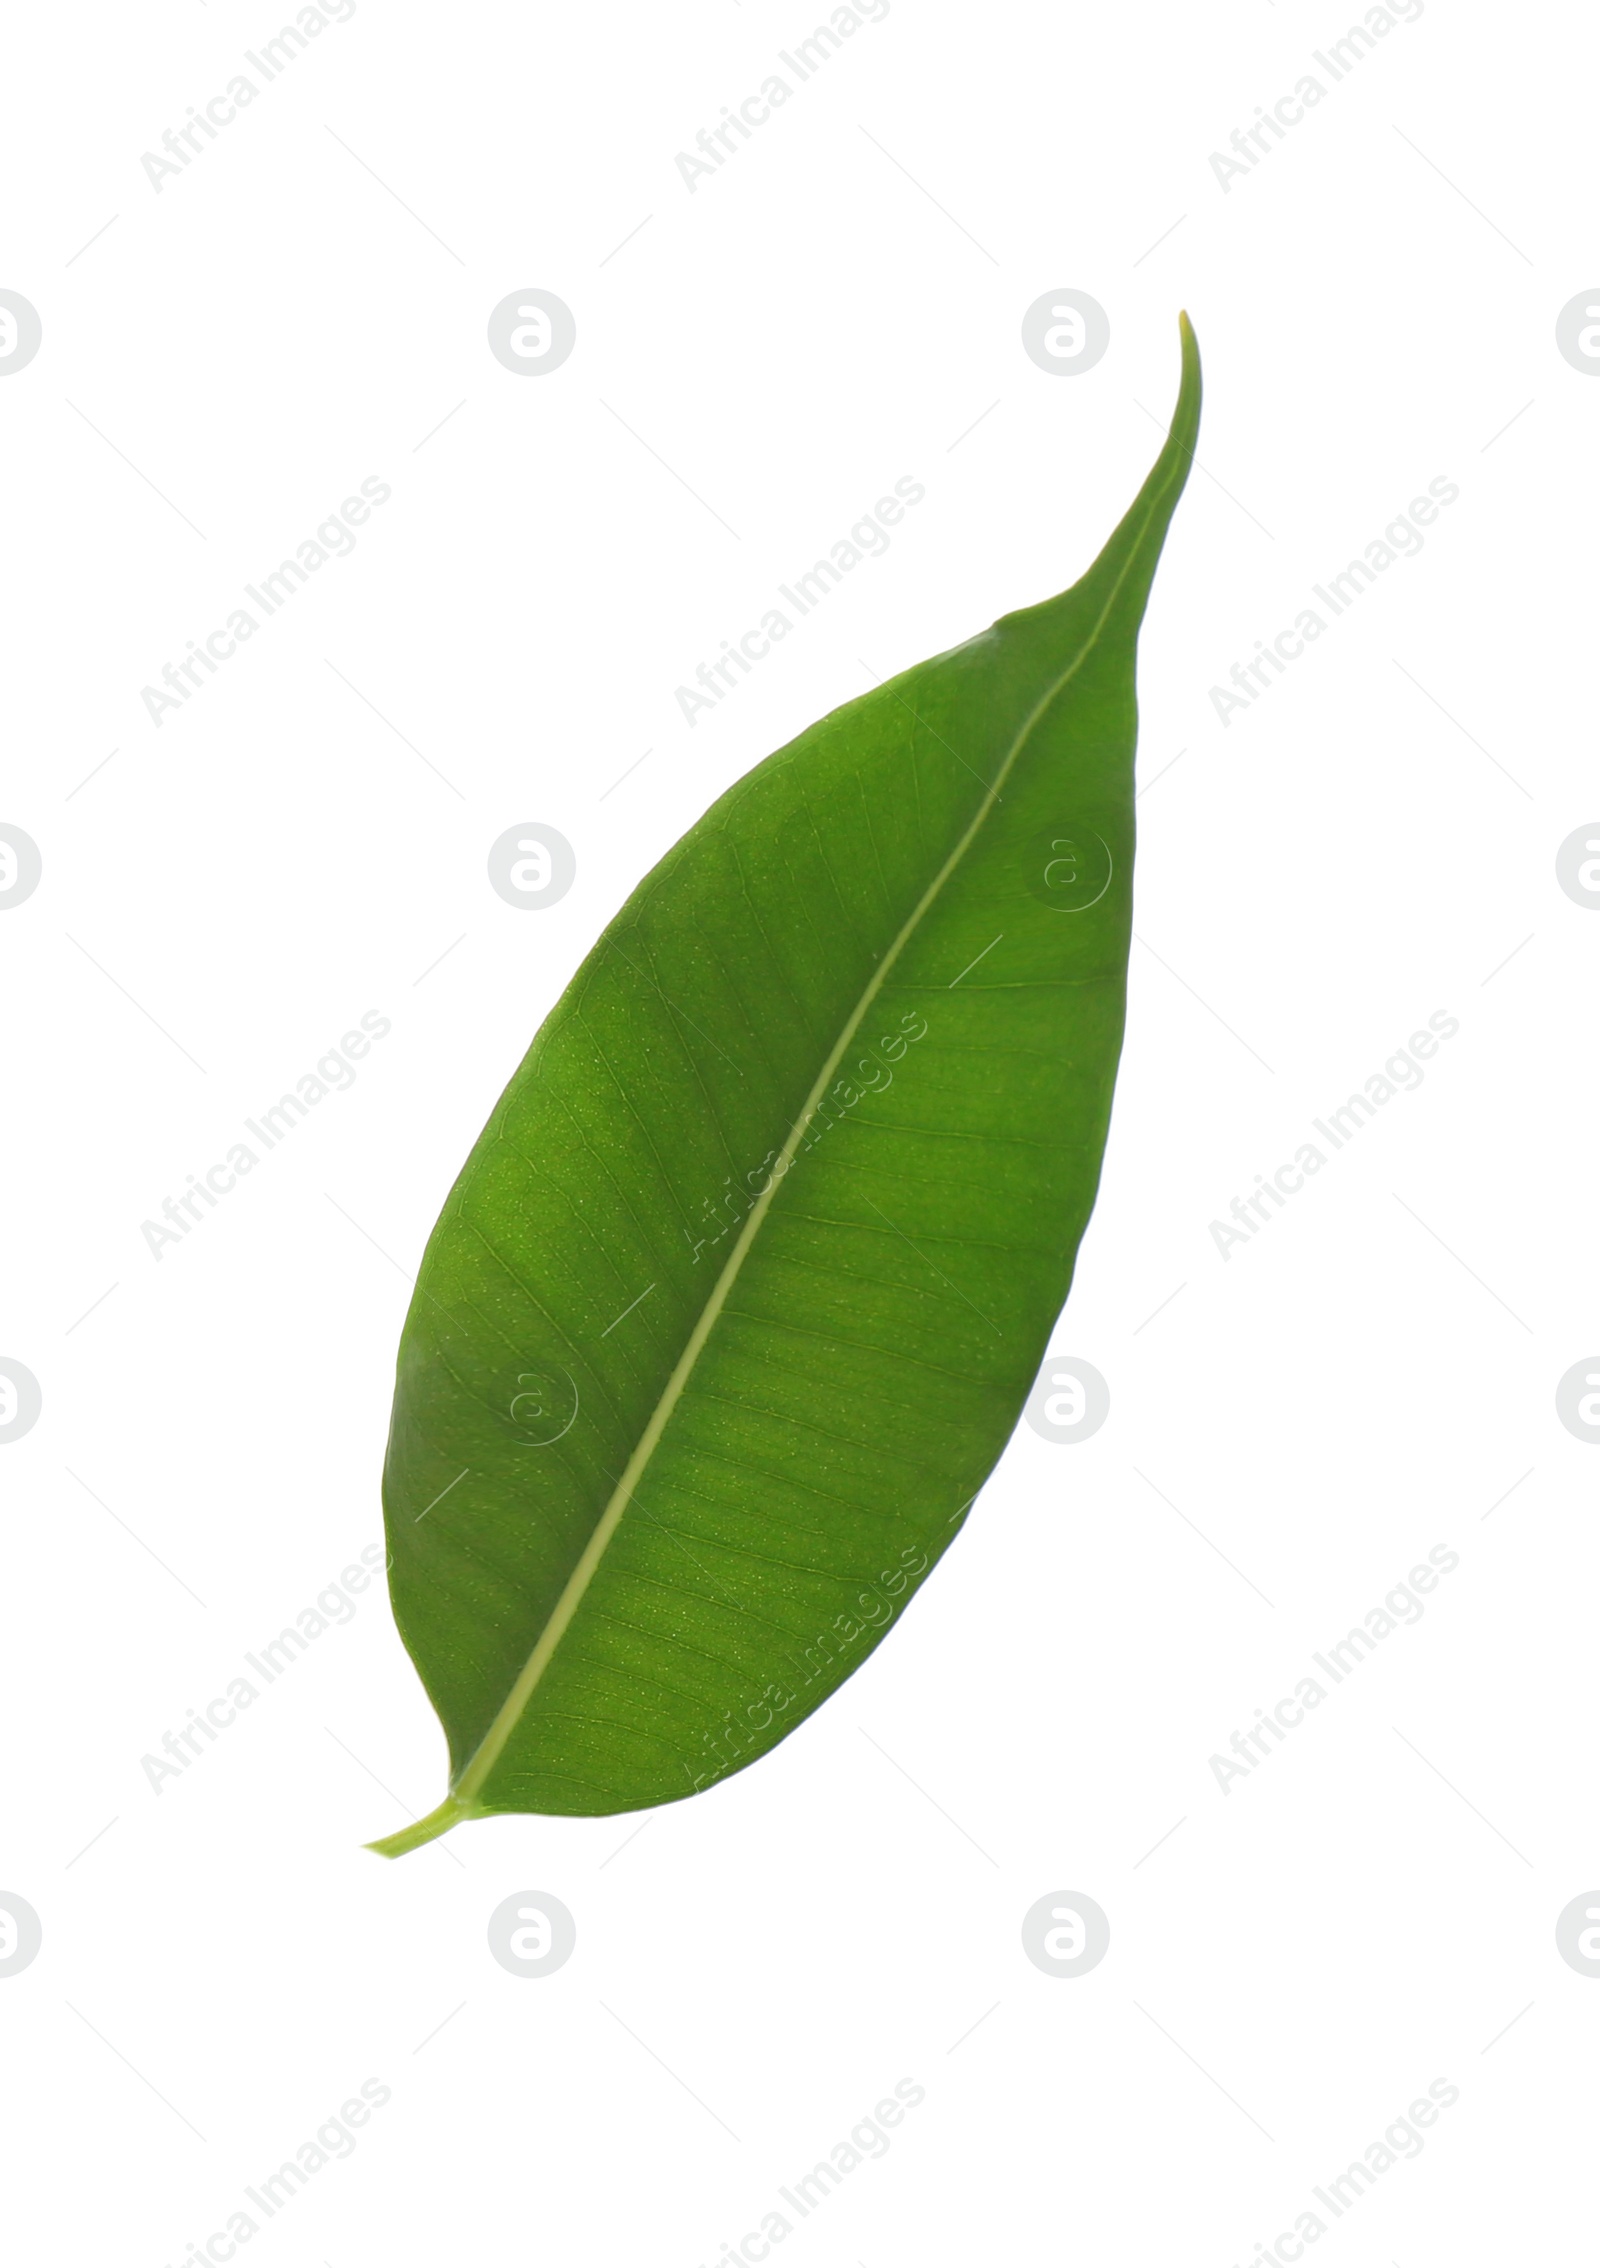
{"x": 489, "y": 1750}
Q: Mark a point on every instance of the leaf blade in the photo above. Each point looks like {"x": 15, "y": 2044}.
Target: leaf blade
{"x": 597, "y": 1626}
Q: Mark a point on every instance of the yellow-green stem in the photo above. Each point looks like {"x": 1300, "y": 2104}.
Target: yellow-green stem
{"x": 449, "y": 1814}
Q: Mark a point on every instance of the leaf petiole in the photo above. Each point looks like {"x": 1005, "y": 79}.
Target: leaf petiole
{"x": 449, "y": 1814}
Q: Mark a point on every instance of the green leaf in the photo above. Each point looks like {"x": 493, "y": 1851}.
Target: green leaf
{"x": 737, "y": 1299}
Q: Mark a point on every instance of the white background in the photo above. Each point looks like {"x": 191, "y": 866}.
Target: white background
{"x": 1373, "y": 841}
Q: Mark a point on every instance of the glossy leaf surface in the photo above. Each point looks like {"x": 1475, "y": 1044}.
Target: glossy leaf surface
{"x": 738, "y": 1297}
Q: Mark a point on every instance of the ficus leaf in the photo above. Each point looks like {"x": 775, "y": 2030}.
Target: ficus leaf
{"x": 738, "y": 1296}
